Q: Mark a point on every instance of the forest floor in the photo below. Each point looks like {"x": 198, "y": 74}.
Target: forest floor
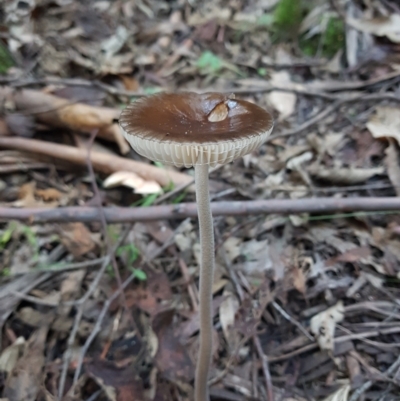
{"x": 99, "y": 247}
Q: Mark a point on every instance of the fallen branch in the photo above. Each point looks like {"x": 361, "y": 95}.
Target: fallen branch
{"x": 184, "y": 210}
{"x": 102, "y": 162}
{"x": 55, "y": 111}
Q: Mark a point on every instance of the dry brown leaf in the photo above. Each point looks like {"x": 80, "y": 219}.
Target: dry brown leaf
{"x": 26, "y": 197}
{"x": 118, "y": 383}
{"x": 385, "y": 123}
{"x": 283, "y": 102}
{"x": 23, "y": 384}
{"x": 258, "y": 258}
{"x": 340, "y": 395}
{"x": 227, "y": 312}
{"x": 49, "y": 194}
{"x": 323, "y": 325}
{"x": 299, "y": 281}
{"x": 76, "y": 238}
{"x": 344, "y": 176}
{"x": 383, "y": 26}
{"x": 11, "y": 354}
{"x": 392, "y": 165}
{"x": 172, "y": 358}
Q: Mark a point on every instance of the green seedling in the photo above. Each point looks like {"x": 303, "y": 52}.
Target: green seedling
{"x": 139, "y": 274}
{"x": 130, "y": 251}
{"x": 179, "y": 198}
{"x": 287, "y": 18}
{"x": 132, "y": 254}
{"x": 329, "y": 42}
{"x": 6, "y": 60}
{"x": 7, "y": 234}
{"x": 146, "y": 201}
{"x": 211, "y": 64}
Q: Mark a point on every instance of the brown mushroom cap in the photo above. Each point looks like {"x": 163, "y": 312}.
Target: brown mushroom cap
{"x": 187, "y": 129}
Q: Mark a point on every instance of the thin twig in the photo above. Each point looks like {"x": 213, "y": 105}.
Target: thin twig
{"x": 367, "y": 385}
{"x": 81, "y": 302}
{"x": 337, "y": 340}
{"x": 292, "y": 320}
{"x": 185, "y": 210}
{"x": 264, "y": 363}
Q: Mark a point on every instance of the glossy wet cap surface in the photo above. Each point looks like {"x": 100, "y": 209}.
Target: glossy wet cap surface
{"x": 184, "y": 117}
{"x": 186, "y": 129}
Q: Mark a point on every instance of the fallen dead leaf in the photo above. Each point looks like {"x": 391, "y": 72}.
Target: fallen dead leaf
{"x": 119, "y": 384}
{"x": 76, "y": 238}
{"x": 383, "y": 26}
{"x": 24, "y": 382}
{"x": 344, "y": 176}
{"x": 392, "y": 165}
{"x": 26, "y": 196}
{"x": 49, "y": 194}
{"x": 227, "y": 312}
{"x": 340, "y": 395}
{"x": 323, "y": 325}
{"x": 172, "y": 358}
{"x": 10, "y": 355}
{"x": 385, "y": 123}
{"x": 132, "y": 180}
{"x": 299, "y": 281}
{"x": 283, "y": 102}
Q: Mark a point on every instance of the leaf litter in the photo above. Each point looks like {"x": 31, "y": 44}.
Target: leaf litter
{"x": 319, "y": 291}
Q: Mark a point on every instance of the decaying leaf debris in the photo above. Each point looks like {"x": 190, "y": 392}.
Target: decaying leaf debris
{"x": 305, "y": 302}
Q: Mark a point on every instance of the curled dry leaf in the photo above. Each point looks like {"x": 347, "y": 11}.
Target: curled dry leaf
{"x": 323, "y": 325}
{"x": 392, "y": 165}
{"x": 10, "y": 355}
{"x": 132, "y": 180}
{"x": 219, "y": 113}
{"x": 227, "y": 312}
{"x": 384, "y": 26}
{"x": 172, "y": 358}
{"x": 385, "y": 123}
{"x": 283, "y": 102}
{"x": 340, "y": 395}
{"x": 77, "y": 238}
{"x": 49, "y": 194}
{"x": 118, "y": 383}
{"x": 344, "y": 176}
{"x": 26, "y": 378}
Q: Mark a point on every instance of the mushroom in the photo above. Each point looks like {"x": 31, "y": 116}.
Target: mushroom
{"x": 197, "y": 130}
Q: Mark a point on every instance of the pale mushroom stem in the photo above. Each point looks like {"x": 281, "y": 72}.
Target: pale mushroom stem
{"x": 206, "y": 281}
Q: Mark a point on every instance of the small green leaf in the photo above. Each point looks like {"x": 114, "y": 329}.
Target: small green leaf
{"x": 159, "y": 164}
{"x": 210, "y": 62}
{"x": 169, "y": 187}
{"x": 110, "y": 271}
{"x": 262, "y": 71}
{"x": 265, "y": 20}
{"x": 7, "y": 234}
{"x": 150, "y": 90}
{"x": 6, "y": 60}
{"x": 149, "y": 200}
{"x": 179, "y": 198}
{"x": 139, "y": 274}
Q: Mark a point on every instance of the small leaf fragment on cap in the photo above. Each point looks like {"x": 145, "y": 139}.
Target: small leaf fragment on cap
{"x": 219, "y": 113}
